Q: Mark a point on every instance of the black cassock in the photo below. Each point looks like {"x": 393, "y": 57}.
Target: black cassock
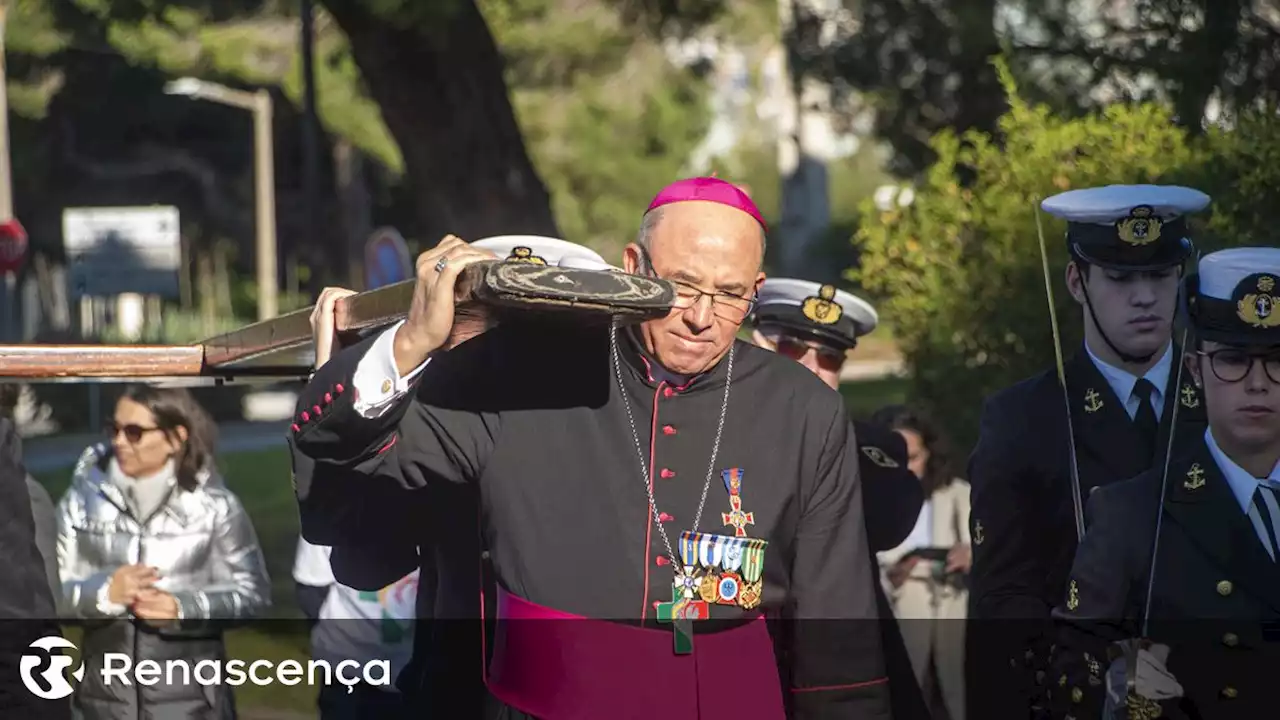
{"x": 530, "y": 415}
{"x": 1215, "y": 601}
{"x": 1023, "y": 518}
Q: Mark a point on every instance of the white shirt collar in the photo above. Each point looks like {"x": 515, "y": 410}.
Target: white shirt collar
{"x": 1122, "y": 381}
{"x": 1243, "y": 485}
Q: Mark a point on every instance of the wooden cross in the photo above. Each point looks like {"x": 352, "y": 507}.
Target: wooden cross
{"x": 737, "y": 519}
{"x": 681, "y": 612}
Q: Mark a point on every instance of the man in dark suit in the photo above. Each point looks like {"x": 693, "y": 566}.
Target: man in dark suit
{"x": 1036, "y": 462}
{"x": 1202, "y": 628}
{"x": 26, "y": 607}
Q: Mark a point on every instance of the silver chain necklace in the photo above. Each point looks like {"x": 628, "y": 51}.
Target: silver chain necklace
{"x": 644, "y": 466}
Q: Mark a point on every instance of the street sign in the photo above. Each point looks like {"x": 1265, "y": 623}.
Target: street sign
{"x": 13, "y": 246}
{"x": 386, "y": 259}
{"x": 114, "y": 250}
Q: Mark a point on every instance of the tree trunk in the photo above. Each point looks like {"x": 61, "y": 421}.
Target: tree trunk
{"x": 440, "y": 86}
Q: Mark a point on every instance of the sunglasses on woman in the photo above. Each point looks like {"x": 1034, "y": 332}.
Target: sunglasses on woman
{"x": 829, "y": 358}
{"x": 133, "y": 433}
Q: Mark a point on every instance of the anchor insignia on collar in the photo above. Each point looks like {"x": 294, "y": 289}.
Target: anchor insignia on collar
{"x": 1092, "y": 401}
{"x": 1195, "y": 477}
{"x": 1189, "y": 398}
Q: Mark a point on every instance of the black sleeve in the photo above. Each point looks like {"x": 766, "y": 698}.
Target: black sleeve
{"x": 46, "y": 529}
{"x": 310, "y": 599}
{"x": 837, "y": 664}
{"x": 891, "y": 493}
{"x": 371, "y": 524}
{"x": 1099, "y": 606}
{"x": 1008, "y": 617}
{"x": 25, "y": 596}
{"x": 432, "y": 433}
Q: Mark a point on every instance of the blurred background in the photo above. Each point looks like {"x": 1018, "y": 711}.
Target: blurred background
{"x": 177, "y": 168}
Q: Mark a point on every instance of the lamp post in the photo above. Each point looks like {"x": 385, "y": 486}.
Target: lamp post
{"x": 259, "y": 103}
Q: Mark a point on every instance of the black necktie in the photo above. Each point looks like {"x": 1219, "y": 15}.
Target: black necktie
{"x": 1263, "y": 510}
{"x": 1145, "y": 419}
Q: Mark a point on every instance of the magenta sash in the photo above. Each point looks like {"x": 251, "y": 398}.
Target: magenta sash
{"x": 558, "y": 666}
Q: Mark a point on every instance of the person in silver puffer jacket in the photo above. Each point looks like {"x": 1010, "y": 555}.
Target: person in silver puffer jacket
{"x": 156, "y": 557}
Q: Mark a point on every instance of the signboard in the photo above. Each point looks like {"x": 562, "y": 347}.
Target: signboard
{"x": 386, "y": 259}
{"x": 13, "y": 246}
{"x": 115, "y": 250}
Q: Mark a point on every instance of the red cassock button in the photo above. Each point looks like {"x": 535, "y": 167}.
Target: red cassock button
{"x": 668, "y": 392}
{"x": 668, "y": 430}
{"x": 667, "y": 473}
{"x": 328, "y": 398}
{"x": 662, "y": 560}
{"x": 296, "y": 428}
{"x": 665, "y": 518}
{"x": 338, "y": 388}
{"x": 316, "y": 410}
{"x": 305, "y": 416}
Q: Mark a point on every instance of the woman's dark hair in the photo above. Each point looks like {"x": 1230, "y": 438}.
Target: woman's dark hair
{"x": 174, "y": 408}
{"x": 938, "y": 471}
{"x": 9, "y": 396}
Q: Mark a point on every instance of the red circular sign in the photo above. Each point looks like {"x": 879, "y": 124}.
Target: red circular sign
{"x": 13, "y": 245}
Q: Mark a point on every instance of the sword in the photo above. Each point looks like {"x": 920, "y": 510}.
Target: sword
{"x": 1076, "y": 499}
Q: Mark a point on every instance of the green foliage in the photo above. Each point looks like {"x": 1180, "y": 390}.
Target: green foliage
{"x": 959, "y": 270}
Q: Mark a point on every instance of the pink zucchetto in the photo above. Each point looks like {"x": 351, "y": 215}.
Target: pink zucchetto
{"x": 708, "y": 189}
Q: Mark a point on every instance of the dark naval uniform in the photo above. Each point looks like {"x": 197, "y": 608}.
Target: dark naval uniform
{"x": 1023, "y": 520}
{"x": 531, "y": 414}
{"x": 790, "y": 314}
{"x": 1214, "y": 593}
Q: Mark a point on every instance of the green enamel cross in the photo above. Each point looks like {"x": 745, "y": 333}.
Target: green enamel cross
{"x": 681, "y": 613}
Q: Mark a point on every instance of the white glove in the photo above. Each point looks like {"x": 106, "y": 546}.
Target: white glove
{"x": 1152, "y": 682}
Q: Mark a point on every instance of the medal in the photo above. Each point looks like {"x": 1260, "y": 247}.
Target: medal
{"x": 727, "y": 589}
{"x": 749, "y": 595}
{"x": 753, "y": 560}
{"x": 709, "y": 588}
{"x": 689, "y": 547}
{"x": 733, "y": 551}
{"x": 710, "y": 548}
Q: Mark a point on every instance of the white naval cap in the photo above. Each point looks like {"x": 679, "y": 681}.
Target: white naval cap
{"x": 541, "y": 250}
{"x": 1128, "y": 226}
{"x": 815, "y": 309}
{"x": 1234, "y": 298}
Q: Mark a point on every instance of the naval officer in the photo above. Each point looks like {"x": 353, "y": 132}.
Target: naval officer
{"x": 817, "y": 325}
{"x": 1036, "y": 461}
{"x": 653, "y": 482}
{"x": 1211, "y": 645}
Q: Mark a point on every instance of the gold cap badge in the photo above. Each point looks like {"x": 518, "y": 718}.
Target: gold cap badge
{"x": 525, "y": 255}
{"x": 823, "y": 309}
{"x": 1259, "y": 308}
{"x": 1142, "y": 227}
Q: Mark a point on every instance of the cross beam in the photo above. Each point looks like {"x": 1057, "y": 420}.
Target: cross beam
{"x": 279, "y": 348}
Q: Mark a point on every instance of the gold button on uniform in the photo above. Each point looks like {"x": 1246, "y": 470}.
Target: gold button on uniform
{"x": 1230, "y": 640}
{"x": 1229, "y": 692}
{"x": 1077, "y": 694}
{"x": 386, "y": 386}
{"x": 1225, "y": 587}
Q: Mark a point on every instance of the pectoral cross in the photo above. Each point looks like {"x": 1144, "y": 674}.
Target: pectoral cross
{"x": 1092, "y": 401}
{"x": 681, "y": 612}
{"x": 737, "y": 519}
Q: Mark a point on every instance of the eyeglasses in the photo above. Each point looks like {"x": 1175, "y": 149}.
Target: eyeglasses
{"x": 1231, "y": 366}
{"x": 829, "y": 358}
{"x": 726, "y": 305}
{"x": 133, "y": 433}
